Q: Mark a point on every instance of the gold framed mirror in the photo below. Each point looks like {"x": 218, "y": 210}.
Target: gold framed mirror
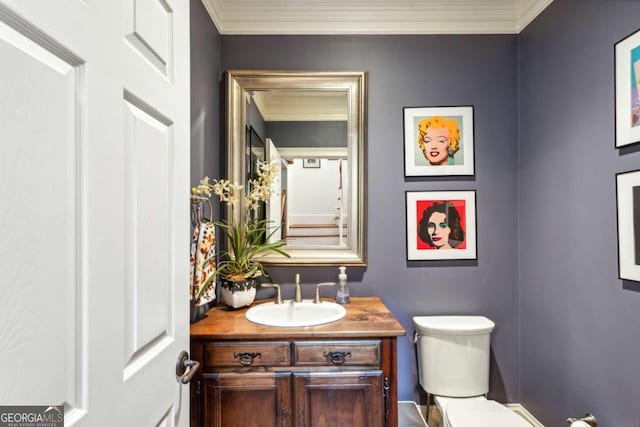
{"x": 313, "y": 125}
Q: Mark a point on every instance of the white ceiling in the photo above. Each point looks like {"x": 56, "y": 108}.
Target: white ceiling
{"x": 373, "y": 16}
{"x": 302, "y": 105}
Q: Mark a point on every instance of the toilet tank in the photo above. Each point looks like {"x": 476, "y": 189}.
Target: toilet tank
{"x": 453, "y": 354}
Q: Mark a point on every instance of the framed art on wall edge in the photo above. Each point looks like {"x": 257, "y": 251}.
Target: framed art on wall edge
{"x": 438, "y": 141}
{"x": 628, "y": 206}
{"x": 311, "y": 163}
{"x": 441, "y": 225}
{"x": 627, "y": 90}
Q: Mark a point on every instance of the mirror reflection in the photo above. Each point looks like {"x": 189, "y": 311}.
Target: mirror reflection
{"x": 311, "y": 126}
{"x": 305, "y": 133}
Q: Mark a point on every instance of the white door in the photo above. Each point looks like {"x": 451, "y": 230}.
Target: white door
{"x": 94, "y": 221}
{"x": 274, "y": 207}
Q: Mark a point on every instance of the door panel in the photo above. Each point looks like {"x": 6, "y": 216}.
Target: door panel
{"x": 148, "y": 142}
{"x": 149, "y": 27}
{"x": 40, "y": 262}
{"x": 247, "y": 399}
{"x": 338, "y": 399}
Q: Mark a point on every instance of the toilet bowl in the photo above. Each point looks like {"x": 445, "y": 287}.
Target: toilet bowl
{"x": 453, "y": 366}
{"x": 476, "y": 412}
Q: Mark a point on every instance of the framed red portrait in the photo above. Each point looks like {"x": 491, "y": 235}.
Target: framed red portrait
{"x": 441, "y": 225}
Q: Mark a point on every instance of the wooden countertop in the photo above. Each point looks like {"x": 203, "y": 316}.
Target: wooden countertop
{"x": 366, "y": 317}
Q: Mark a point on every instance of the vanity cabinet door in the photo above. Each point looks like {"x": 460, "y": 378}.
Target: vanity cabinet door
{"x": 339, "y": 399}
{"x": 247, "y": 399}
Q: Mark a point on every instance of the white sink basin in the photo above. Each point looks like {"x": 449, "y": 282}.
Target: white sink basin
{"x": 295, "y": 314}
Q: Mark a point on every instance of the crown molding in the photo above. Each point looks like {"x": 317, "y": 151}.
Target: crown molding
{"x": 213, "y": 8}
{"x": 271, "y": 17}
{"x": 529, "y": 10}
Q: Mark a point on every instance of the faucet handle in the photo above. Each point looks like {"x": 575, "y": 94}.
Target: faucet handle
{"x": 298, "y": 296}
{"x": 317, "y": 298}
{"x": 278, "y": 293}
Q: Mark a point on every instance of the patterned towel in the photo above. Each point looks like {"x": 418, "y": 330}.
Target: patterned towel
{"x": 203, "y": 261}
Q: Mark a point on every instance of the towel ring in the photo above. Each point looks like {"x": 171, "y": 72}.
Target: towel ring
{"x": 197, "y": 211}
{"x": 588, "y": 419}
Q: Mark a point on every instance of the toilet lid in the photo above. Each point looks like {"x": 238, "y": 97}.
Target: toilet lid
{"x": 482, "y": 413}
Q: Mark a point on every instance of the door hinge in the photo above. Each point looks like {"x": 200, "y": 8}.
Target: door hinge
{"x": 199, "y": 400}
{"x": 385, "y": 393}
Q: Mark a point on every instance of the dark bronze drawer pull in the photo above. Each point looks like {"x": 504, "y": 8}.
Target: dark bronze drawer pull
{"x": 337, "y": 357}
{"x": 246, "y": 359}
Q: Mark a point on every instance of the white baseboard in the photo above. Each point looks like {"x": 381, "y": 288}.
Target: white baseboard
{"x": 410, "y": 414}
{"x": 522, "y": 411}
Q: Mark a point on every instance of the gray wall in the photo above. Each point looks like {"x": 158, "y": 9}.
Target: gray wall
{"x": 423, "y": 71}
{"x": 307, "y": 134}
{"x": 578, "y": 322}
{"x": 206, "y": 96}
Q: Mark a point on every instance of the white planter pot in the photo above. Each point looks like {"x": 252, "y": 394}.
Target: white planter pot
{"x": 236, "y": 298}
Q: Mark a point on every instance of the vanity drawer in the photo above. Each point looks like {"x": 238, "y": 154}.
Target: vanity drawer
{"x": 247, "y": 353}
{"x": 337, "y": 353}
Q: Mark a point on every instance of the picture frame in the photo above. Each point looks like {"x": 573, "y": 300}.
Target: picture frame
{"x": 311, "y": 163}
{"x": 438, "y": 141}
{"x": 627, "y": 90}
{"x": 441, "y": 225}
{"x": 628, "y": 215}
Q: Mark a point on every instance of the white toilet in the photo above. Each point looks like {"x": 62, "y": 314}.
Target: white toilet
{"x": 453, "y": 366}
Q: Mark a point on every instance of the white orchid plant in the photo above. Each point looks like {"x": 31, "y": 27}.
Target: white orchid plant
{"x": 248, "y": 237}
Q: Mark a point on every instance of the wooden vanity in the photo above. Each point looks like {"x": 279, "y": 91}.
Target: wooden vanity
{"x": 340, "y": 374}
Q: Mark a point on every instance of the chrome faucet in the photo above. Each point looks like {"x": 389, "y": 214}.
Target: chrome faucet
{"x": 298, "y": 297}
{"x": 278, "y": 299}
{"x": 317, "y": 298}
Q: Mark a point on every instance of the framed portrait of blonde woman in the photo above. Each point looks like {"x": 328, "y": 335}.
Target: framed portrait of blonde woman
{"x": 627, "y": 89}
{"x": 438, "y": 141}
